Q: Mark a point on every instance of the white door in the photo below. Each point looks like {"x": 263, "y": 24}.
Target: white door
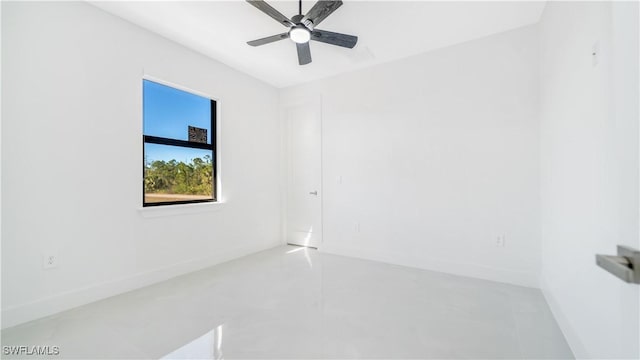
{"x": 304, "y": 174}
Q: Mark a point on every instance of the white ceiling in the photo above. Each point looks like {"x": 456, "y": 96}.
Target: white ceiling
{"x": 387, "y": 30}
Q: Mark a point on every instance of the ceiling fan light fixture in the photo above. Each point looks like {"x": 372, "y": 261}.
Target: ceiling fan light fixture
{"x": 300, "y": 34}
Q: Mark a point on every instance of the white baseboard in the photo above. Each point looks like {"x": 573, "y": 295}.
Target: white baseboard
{"x": 570, "y": 335}
{"x": 520, "y": 278}
{"x": 19, "y": 314}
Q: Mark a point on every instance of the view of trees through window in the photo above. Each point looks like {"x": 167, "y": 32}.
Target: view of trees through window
{"x": 178, "y": 168}
{"x": 175, "y": 180}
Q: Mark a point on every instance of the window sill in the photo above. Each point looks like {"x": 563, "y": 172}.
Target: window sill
{"x": 177, "y": 210}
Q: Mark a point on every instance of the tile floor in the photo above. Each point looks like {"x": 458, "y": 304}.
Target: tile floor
{"x": 292, "y": 302}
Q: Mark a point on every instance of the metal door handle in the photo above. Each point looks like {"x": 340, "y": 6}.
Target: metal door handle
{"x": 314, "y": 193}
{"x": 625, "y": 266}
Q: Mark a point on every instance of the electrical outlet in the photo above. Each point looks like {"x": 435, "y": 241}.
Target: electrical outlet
{"x": 501, "y": 241}
{"x": 50, "y": 261}
{"x": 356, "y": 227}
{"x": 595, "y": 53}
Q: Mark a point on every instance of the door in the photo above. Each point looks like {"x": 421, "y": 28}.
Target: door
{"x": 304, "y": 174}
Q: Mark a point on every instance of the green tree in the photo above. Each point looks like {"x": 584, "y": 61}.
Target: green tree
{"x": 173, "y": 177}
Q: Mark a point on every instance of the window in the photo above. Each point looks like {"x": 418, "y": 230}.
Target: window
{"x": 179, "y": 138}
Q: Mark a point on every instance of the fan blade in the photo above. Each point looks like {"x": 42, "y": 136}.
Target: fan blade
{"x": 267, "y": 9}
{"x": 344, "y": 40}
{"x": 304, "y": 53}
{"x": 321, "y": 10}
{"x": 268, "y": 39}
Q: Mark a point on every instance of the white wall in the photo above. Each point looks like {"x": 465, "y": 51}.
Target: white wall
{"x": 1, "y": 82}
{"x": 589, "y": 171}
{"x": 438, "y": 156}
{"x": 71, "y": 160}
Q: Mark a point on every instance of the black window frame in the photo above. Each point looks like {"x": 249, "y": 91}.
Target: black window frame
{"x": 187, "y": 144}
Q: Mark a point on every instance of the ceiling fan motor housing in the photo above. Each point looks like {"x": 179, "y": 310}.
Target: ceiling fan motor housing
{"x": 297, "y": 19}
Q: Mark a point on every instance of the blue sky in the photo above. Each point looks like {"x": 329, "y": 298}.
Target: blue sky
{"x": 167, "y": 113}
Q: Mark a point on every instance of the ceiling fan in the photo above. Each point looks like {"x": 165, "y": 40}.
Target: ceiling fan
{"x": 302, "y": 28}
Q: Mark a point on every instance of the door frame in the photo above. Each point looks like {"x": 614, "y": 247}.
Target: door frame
{"x": 313, "y": 103}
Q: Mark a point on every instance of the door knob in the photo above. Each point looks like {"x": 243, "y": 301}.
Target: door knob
{"x": 625, "y": 266}
{"x": 314, "y": 193}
